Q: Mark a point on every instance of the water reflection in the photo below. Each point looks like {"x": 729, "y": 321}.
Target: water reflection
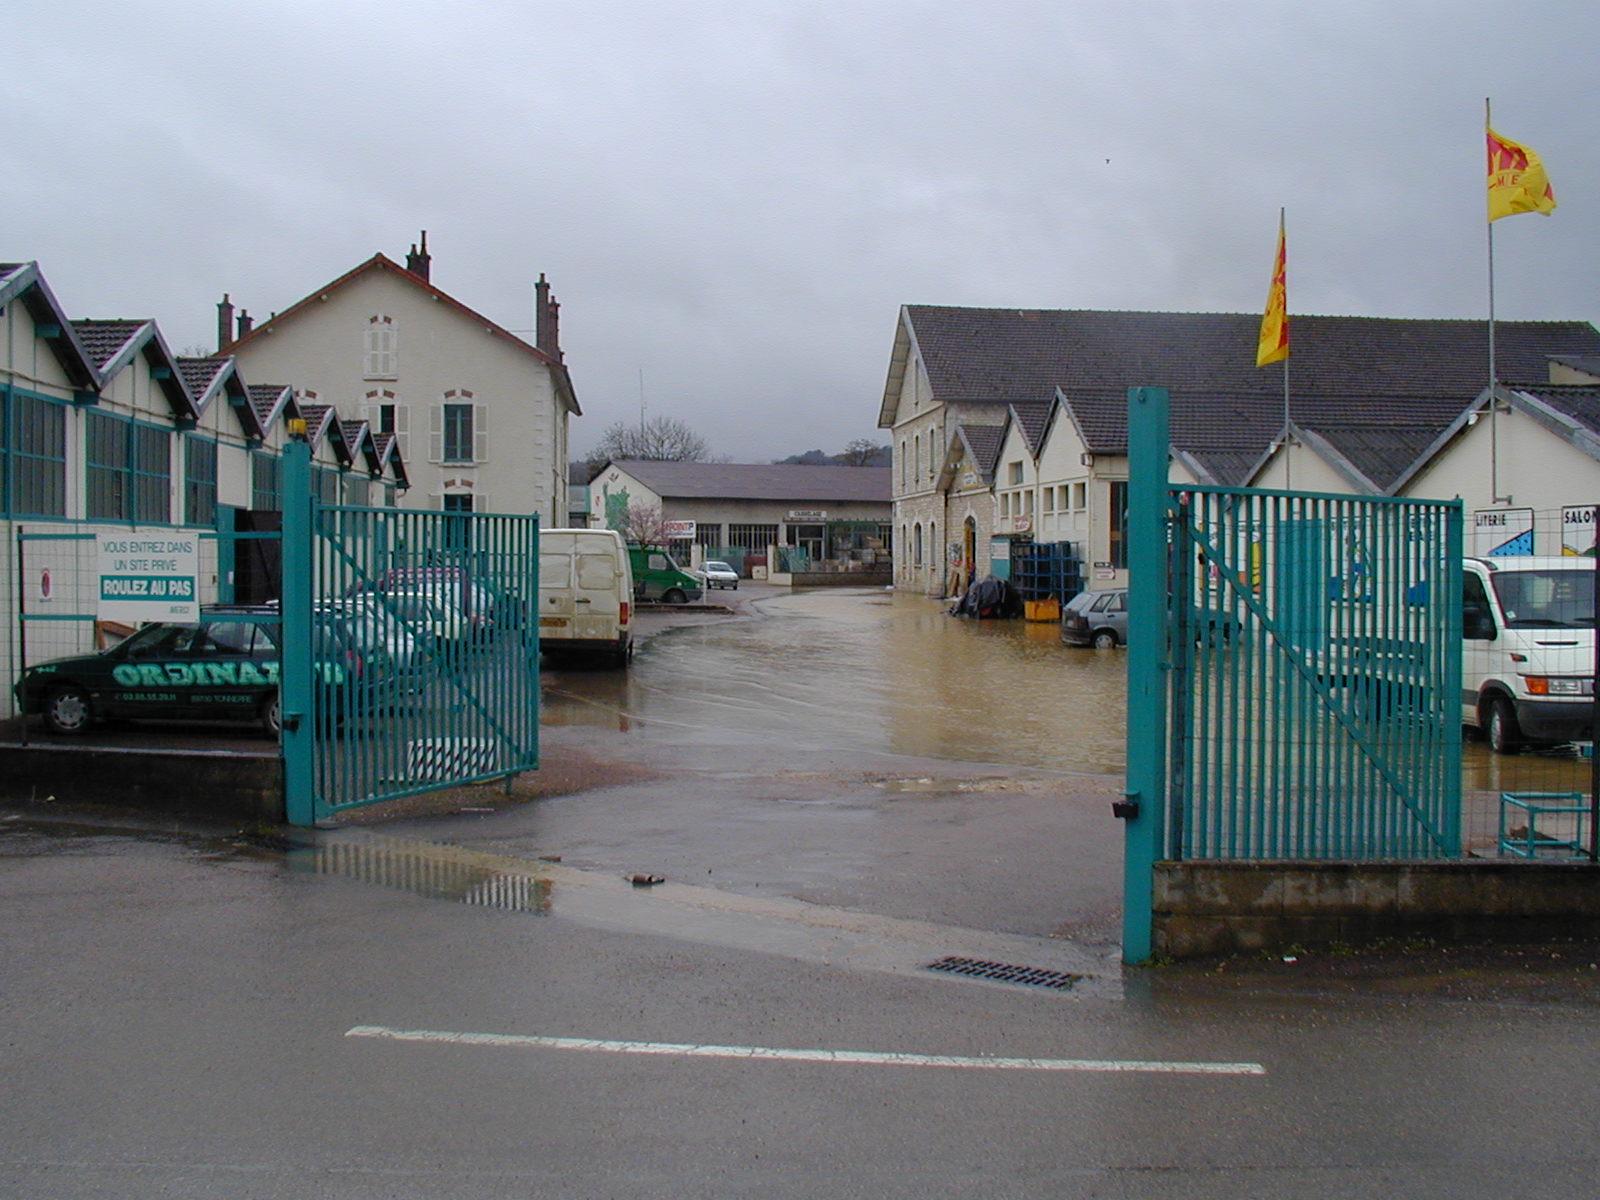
{"x": 855, "y": 670}
{"x": 425, "y": 869}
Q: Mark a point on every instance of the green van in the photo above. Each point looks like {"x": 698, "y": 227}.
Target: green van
{"x": 657, "y": 576}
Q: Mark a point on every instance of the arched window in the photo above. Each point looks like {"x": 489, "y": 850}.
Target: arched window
{"x": 905, "y": 544}
{"x": 917, "y": 459}
{"x": 916, "y": 545}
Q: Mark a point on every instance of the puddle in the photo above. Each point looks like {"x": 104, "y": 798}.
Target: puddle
{"x": 926, "y": 785}
{"x": 427, "y": 869}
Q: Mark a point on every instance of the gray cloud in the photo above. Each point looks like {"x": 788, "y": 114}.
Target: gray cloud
{"x": 735, "y": 198}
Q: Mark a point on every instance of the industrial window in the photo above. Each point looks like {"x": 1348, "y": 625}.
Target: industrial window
{"x": 1080, "y": 496}
{"x": 1049, "y": 500}
{"x": 1061, "y": 498}
{"x": 357, "y": 490}
{"x": 266, "y": 481}
{"x": 1014, "y": 473}
{"x": 886, "y": 536}
{"x": 916, "y": 545}
{"x": 382, "y": 358}
{"x": 1117, "y": 523}
{"x": 753, "y": 539}
{"x": 36, "y": 446}
{"x": 128, "y": 469}
{"x": 325, "y": 483}
{"x": 199, "y": 481}
{"x": 709, "y": 536}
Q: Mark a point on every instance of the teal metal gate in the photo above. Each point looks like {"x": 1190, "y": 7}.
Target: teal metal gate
{"x": 410, "y": 656}
{"x": 1294, "y": 673}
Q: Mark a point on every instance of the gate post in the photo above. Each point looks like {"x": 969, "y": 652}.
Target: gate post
{"x": 1144, "y": 813}
{"x": 295, "y": 672}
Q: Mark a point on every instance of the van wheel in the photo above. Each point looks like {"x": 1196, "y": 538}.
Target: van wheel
{"x": 674, "y": 596}
{"x": 1500, "y": 724}
{"x": 1104, "y": 639}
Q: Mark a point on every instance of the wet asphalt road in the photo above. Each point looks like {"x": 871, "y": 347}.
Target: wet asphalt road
{"x": 176, "y": 1007}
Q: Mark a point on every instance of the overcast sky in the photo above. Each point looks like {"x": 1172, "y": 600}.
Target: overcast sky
{"x": 736, "y": 198}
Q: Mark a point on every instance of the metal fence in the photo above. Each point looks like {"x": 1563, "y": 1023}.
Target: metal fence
{"x": 426, "y": 663}
{"x": 1315, "y": 662}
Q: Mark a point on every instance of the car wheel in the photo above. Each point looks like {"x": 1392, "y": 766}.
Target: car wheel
{"x": 67, "y": 710}
{"x": 674, "y": 596}
{"x": 272, "y": 716}
{"x": 1104, "y": 639}
{"x": 1500, "y": 723}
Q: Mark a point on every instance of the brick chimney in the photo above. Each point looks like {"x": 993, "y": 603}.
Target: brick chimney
{"x": 224, "y": 323}
{"x": 546, "y": 319}
{"x": 244, "y": 323}
{"x": 418, "y": 261}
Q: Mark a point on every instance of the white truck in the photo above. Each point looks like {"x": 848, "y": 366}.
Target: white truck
{"x": 1527, "y": 671}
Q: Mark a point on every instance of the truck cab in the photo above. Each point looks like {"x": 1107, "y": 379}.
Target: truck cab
{"x": 657, "y": 576}
{"x": 1527, "y": 627}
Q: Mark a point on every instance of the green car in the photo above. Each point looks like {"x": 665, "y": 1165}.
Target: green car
{"x": 223, "y": 669}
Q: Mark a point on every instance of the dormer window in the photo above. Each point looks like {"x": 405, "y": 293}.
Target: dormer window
{"x": 382, "y": 351}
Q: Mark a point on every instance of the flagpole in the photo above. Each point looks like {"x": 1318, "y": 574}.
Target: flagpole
{"x": 1288, "y": 436}
{"x": 1494, "y": 406}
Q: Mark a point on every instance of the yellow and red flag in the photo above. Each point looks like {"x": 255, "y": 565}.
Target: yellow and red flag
{"x": 1274, "y": 343}
{"x": 1517, "y": 182}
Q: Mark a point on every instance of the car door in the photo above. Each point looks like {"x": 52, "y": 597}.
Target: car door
{"x": 140, "y": 685}
{"x": 235, "y": 671}
{"x": 1117, "y": 615}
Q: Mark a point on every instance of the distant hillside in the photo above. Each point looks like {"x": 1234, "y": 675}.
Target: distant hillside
{"x": 856, "y": 454}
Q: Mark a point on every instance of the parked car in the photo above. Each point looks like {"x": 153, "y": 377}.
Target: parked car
{"x": 454, "y": 589}
{"x": 431, "y": 618}
{"x": 224, "y": 668}
{"x": 585, "y": 594}
{"x": 1098, "y": 619}
{"x": 720, "y": 575}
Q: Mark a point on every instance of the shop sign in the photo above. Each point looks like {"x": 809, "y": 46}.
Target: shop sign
{"x": 677, "y": 531}
{"x": 1498, "y": 532}
{"x": 1021, "y": 524}
{"x": 807, "y": 514}
{"x": 147, "y": 577}
{"x": 1578, "y": 531}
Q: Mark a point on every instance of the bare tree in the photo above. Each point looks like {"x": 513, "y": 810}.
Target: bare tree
{"x": 644, "y": 525}
{"x": 660, "y": 439}
{"x": 863, "y": 452}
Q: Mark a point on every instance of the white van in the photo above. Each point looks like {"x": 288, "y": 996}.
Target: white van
{"x": 585, "y": 594}
{"x": 1527, "y": 670}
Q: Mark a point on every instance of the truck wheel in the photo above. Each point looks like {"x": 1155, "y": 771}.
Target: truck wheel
{"x": 1500, "y": 722}
{"x": 67, "y": 710}
{"x": 674, "y": 596}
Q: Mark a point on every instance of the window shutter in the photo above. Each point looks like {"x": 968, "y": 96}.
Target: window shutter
{"x": 369, "y": 366}
{"x": 386, "y": 350}
{"x": 480, "y": 503}
{"x": 402, "y": 429}
{"x": 480, "y": 433}
{"x": 435, "y": 433}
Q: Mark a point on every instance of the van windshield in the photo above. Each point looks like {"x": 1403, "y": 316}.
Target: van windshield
{"x": 1546, "y": 599}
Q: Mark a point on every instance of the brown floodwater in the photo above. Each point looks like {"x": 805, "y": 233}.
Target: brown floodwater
{"x": 853, "y": 670}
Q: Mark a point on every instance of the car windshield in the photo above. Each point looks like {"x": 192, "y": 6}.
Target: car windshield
{"x": 719, "y": 566}
{"x": 1550, "y": 599}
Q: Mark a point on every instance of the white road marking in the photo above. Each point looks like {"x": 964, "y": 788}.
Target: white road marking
{"x": 868, "y": 1058}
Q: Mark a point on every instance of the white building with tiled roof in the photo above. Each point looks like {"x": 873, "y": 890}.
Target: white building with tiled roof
{"x": 740, "y": 510}
{"x": 479, "y": 414}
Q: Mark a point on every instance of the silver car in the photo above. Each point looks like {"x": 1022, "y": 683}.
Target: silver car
{"x": 1098, "y": 619}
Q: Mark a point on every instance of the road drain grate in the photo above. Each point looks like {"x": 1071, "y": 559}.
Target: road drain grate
{"x": 977, "y": 968}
